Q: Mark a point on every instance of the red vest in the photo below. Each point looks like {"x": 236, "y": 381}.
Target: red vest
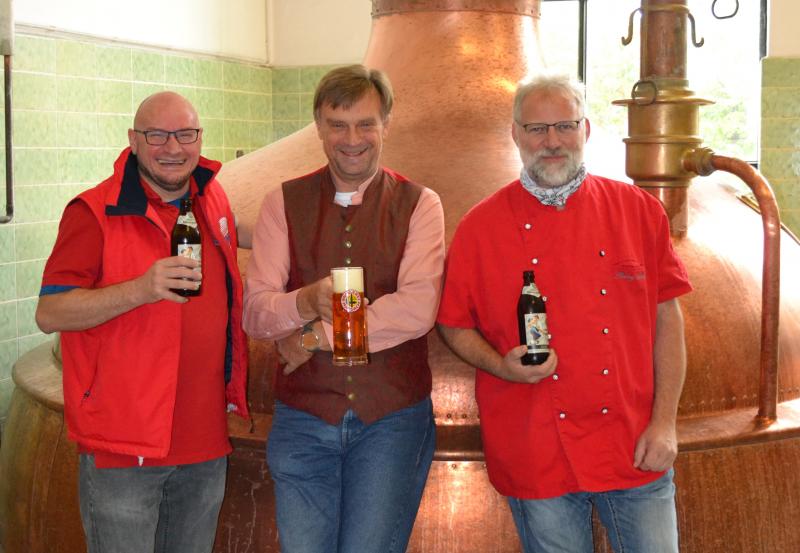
{"x": 372, "y": 235}
{"x": 120, "y": 376}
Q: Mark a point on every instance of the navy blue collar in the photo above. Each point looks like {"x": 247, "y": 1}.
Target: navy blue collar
{"x": 132, "y": 199}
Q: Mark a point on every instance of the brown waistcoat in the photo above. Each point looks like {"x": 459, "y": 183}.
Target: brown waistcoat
{"x": 372, "y": 235}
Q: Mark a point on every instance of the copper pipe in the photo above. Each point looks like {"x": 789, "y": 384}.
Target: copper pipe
{"x": 663, "y": 44}
{"x": 703, "y": 161}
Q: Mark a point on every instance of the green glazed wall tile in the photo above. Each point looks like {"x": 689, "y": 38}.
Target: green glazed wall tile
{"x": 285, "y": 79}
{"x": 228, "y": 154}
{"x": 209, "y": 103}
{"x": 113, "y": 63}
{"x": 776, "y": 164}
{"x": 261, "y": 107}
{"x": 213, "y": 153}
{"x": 106, "y": 157}
{"x": 235, "y": 76}
{"x": 112, "y": 130}
{"x": 190, "y": 93}
{"x": 285, "y": 107}
{"x": 35, "y": 166}
{"x": 780, "y": 72}
{"x": 260, "y": 134}
{"x": 34, "y": 91}
{"x": 179, "y": 70}
{"x": 35, "y": 129}
{"x": 787, "y": 193}
{"x": 76, "y": 94}
{"x": 34, "y": 54}
{"x": 39, "y": 203}
{"x": 140, "y": 92}
{"x": 35, "y": 240}
{"x": 147, "y": 66}
{"x": 213, "y": 133}
{"x": 208, "y": 73}
{"x": 7, "y": 253}
{"x": 8, "y": 283}
{"x": 261, "y": 80}
{"x": 8, "y": 356}
{"x": 237, "y": 134}
{"x": 26, "y": 317}
{"x": 29, "y": 278}
{"x": 780, "y": 102}
{"x": 780, "y": 133}
{"x": 237, "y": 105}
{"x": 78, "y": 166}
{"x": 114, "y": 97}
{"x": 77, "y": 130}
{"x": 8, "y": 320}
{"x": 6, "y": 391}
{"x": 791, "y": 218}
{"x": 310, "y": 77}
{"x": 75, "y": 58}
{"x": 282, "y": 129}
{"x": 27, "y": 343}
{"x": 307, "y": 107}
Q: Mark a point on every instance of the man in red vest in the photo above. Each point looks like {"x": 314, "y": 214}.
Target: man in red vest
{"x": 149, "y": 374}
{"x": 350, "y": 447}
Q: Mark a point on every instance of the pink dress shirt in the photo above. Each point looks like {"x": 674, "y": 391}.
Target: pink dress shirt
{"x": 271, "y": 313}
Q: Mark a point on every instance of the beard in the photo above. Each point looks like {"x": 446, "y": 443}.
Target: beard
{"x": 546, "y": 174}
{"x": 168, "y": 184}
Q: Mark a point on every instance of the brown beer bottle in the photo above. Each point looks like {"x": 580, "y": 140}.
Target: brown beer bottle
{"x": 186, "y": 241}
{"x": 532, "y": 319}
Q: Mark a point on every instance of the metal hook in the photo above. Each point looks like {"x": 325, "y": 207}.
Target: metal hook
{"x": 714, "y": 10}
{"x": 627, "y": 40}
{"x": 694, "y": 36}
{"x": 644, "y": 100}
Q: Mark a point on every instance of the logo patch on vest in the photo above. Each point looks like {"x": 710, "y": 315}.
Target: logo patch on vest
{"x": 223, "y": 228}
{"x": 351, "y": 300}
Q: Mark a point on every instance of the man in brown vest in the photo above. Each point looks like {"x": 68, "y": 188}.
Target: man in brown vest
{"x": 350, "y": 447}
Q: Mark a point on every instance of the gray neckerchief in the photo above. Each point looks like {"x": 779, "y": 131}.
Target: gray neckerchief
{"x": 556, "y": 196}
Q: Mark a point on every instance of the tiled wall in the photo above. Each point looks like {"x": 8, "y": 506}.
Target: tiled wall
{"x": 780, "y": 134}
{"x": 293, "y": 97}
{"x": 73, "y": 103}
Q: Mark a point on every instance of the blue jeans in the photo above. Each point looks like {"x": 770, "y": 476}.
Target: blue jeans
{"x": 350, "y": 487}
{"x": 638, "y": 520}
{"x": 172, "y": 509}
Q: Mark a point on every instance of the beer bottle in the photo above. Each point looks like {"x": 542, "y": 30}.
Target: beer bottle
{"x": 186, "y": 241}
{"x": 532, "y": 322}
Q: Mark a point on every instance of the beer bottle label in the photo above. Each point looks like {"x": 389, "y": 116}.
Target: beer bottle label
{"x": 187, "y": 219}
{"x": 351, "y": 300}
{"x": 531, "y": 290}
{"x": 536, "y": 336}
{"x": 192, "y": 251}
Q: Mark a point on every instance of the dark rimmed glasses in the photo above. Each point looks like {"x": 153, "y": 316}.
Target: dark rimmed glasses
{"x": 158, "y": 137}
{"x": 561, "y": 127}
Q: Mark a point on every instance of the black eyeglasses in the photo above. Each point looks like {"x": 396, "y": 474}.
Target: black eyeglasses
{"x": 158, "y": 137}
{"x": 561, "y": 127}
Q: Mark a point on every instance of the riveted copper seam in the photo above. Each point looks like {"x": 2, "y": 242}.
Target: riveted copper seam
{"x": 516, "y": 7}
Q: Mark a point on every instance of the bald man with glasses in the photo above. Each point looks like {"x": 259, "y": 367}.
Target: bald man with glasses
{"x": 149, "y": 374}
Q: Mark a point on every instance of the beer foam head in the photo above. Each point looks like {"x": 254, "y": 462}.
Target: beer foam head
{"x": 347, "y": 278}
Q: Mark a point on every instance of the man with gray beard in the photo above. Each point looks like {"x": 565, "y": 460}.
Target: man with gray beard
{"x": 593, "y": 426}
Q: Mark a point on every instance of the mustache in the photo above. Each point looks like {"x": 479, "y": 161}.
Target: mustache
{"x": 547, "y": 152}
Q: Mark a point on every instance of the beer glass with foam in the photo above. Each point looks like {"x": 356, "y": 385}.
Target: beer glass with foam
{"x": 349, "y": 317}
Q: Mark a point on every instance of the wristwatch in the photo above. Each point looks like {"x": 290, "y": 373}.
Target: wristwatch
{"x": 309, "y": 340}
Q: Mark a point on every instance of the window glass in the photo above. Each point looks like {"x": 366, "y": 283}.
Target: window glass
{"x": 726, "y": 70}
